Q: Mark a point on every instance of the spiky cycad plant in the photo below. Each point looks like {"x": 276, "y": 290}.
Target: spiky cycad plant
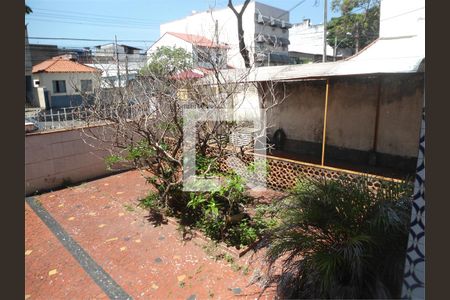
{"x": 339, "y": 239}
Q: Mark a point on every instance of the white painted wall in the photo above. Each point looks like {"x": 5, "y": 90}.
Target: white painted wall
{"x": 307, "y": 38}
{"x": 168, "y": 40}
{"x": 402, "y": 18}
{"x": 246, "y": 104}
{"x": 72, "y": 80}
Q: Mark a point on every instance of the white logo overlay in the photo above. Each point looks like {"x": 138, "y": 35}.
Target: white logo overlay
{"x": 254, "y": 134}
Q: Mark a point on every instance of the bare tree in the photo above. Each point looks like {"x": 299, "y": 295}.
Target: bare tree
{"x": 242, "y": 48}
{"x": 144, "y": 120}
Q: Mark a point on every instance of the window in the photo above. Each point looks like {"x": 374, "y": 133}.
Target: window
{"x": 59, "y": 86}
{"x": 86, "y": 85}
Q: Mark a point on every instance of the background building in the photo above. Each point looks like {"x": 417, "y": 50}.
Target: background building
{"x": 61, "y": 81}
{"x": 307, "y": 44}
{"x": 109, "y": 53}
{"x": 204, "y": 51}
{"x": 266, "y": 32}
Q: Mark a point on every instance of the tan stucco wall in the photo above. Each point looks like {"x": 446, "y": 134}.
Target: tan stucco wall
{"x": 352, "y": 111}
{"x": 54, "y": 157}
{"x": 301, "y": 113}
{"x": 400, "y": 115}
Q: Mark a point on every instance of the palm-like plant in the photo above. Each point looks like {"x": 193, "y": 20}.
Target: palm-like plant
{"x": 339, "y": 239}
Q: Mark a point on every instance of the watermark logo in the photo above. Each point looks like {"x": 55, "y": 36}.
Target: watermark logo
{"x": 252, "y": 133}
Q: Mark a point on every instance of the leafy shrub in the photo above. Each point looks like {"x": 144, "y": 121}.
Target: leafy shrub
{"x": 338, "y": 239}
{"x": 149, "y": 202}
{"x": 221, "y": 214}
{"x": 242, "y": 234}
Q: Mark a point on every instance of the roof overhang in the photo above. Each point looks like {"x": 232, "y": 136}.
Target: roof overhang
{"x": 383, "y": 56}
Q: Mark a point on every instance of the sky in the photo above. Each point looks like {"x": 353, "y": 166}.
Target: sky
{"x": 134, "y": 22}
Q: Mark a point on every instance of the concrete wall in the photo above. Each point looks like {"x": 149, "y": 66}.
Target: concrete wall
{"x": 400, "y": 115}
{"x": 301, "y": 113}
{"x": 351, "y": 118}
{"x": 52, "y": 158}
{"x": 351, "y": 113}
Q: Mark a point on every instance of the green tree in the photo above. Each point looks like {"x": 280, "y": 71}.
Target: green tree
{"x": 167, "y": 61}
{"x": 358, "y": 25}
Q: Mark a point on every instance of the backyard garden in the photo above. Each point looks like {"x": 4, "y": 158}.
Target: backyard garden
{"x": 330, "y": 235}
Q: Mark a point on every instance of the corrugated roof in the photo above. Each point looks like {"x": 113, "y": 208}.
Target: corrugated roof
{"x": 61, "y": 64}
{"x": 197, "y": 40}
{"x": 395, "y": 55}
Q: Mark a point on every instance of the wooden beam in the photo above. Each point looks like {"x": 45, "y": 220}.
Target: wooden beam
{"x": 324, "y": 134}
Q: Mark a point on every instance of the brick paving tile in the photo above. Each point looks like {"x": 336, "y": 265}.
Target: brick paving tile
{"x": 147, "y": 262}
{"x": 50, "y": 270}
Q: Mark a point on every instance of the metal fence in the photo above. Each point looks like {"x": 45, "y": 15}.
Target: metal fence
{"x": 70, "y": 117}
{"x": 67, "y": 117}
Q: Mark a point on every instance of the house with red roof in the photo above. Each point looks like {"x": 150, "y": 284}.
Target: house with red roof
{"x": 61, "y": 81}
{"x": 205, "y": 52}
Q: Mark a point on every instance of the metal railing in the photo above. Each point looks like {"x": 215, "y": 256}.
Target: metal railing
{"x": 71, "y": 117}
{"x": 67, "y": 117}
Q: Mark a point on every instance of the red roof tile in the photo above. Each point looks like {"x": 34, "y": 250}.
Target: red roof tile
{"x": 197, "y": 40}
{"x": 61, "y": 64}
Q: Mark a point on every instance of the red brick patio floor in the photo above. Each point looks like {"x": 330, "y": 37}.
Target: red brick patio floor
{"x": 147, "y": 262}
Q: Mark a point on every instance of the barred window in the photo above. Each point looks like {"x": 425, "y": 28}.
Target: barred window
{"x": 59, "y": 86}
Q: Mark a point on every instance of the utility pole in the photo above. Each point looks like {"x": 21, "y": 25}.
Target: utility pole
{"x": 335, "y": 48}
{"x": 117, "y": 58}
{"x": 216, "y": 31}
{"x": 357, "y": 38}
{"x": 324, "y": 58}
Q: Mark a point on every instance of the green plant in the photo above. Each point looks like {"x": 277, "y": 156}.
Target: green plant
{"x": 220, "y": 211}
{"x": 149, "y": 202}
{"x": 339, "y": 239}
{"x": 242, "y": 234}
{"x": 206, "y": 165}
{"x": 129, "y": 207}
{"x": 140, "y": 150}
{"x": 111, "y": 160}
{"x": 166, "y": 61}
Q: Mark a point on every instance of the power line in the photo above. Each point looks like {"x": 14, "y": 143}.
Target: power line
{"x": 88, "y": 40}
{"x": 89, "y": 23}
{"x": 294, "y": 7}
{"x": 89, "y": 14}
{"x": 93, "y": 19}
